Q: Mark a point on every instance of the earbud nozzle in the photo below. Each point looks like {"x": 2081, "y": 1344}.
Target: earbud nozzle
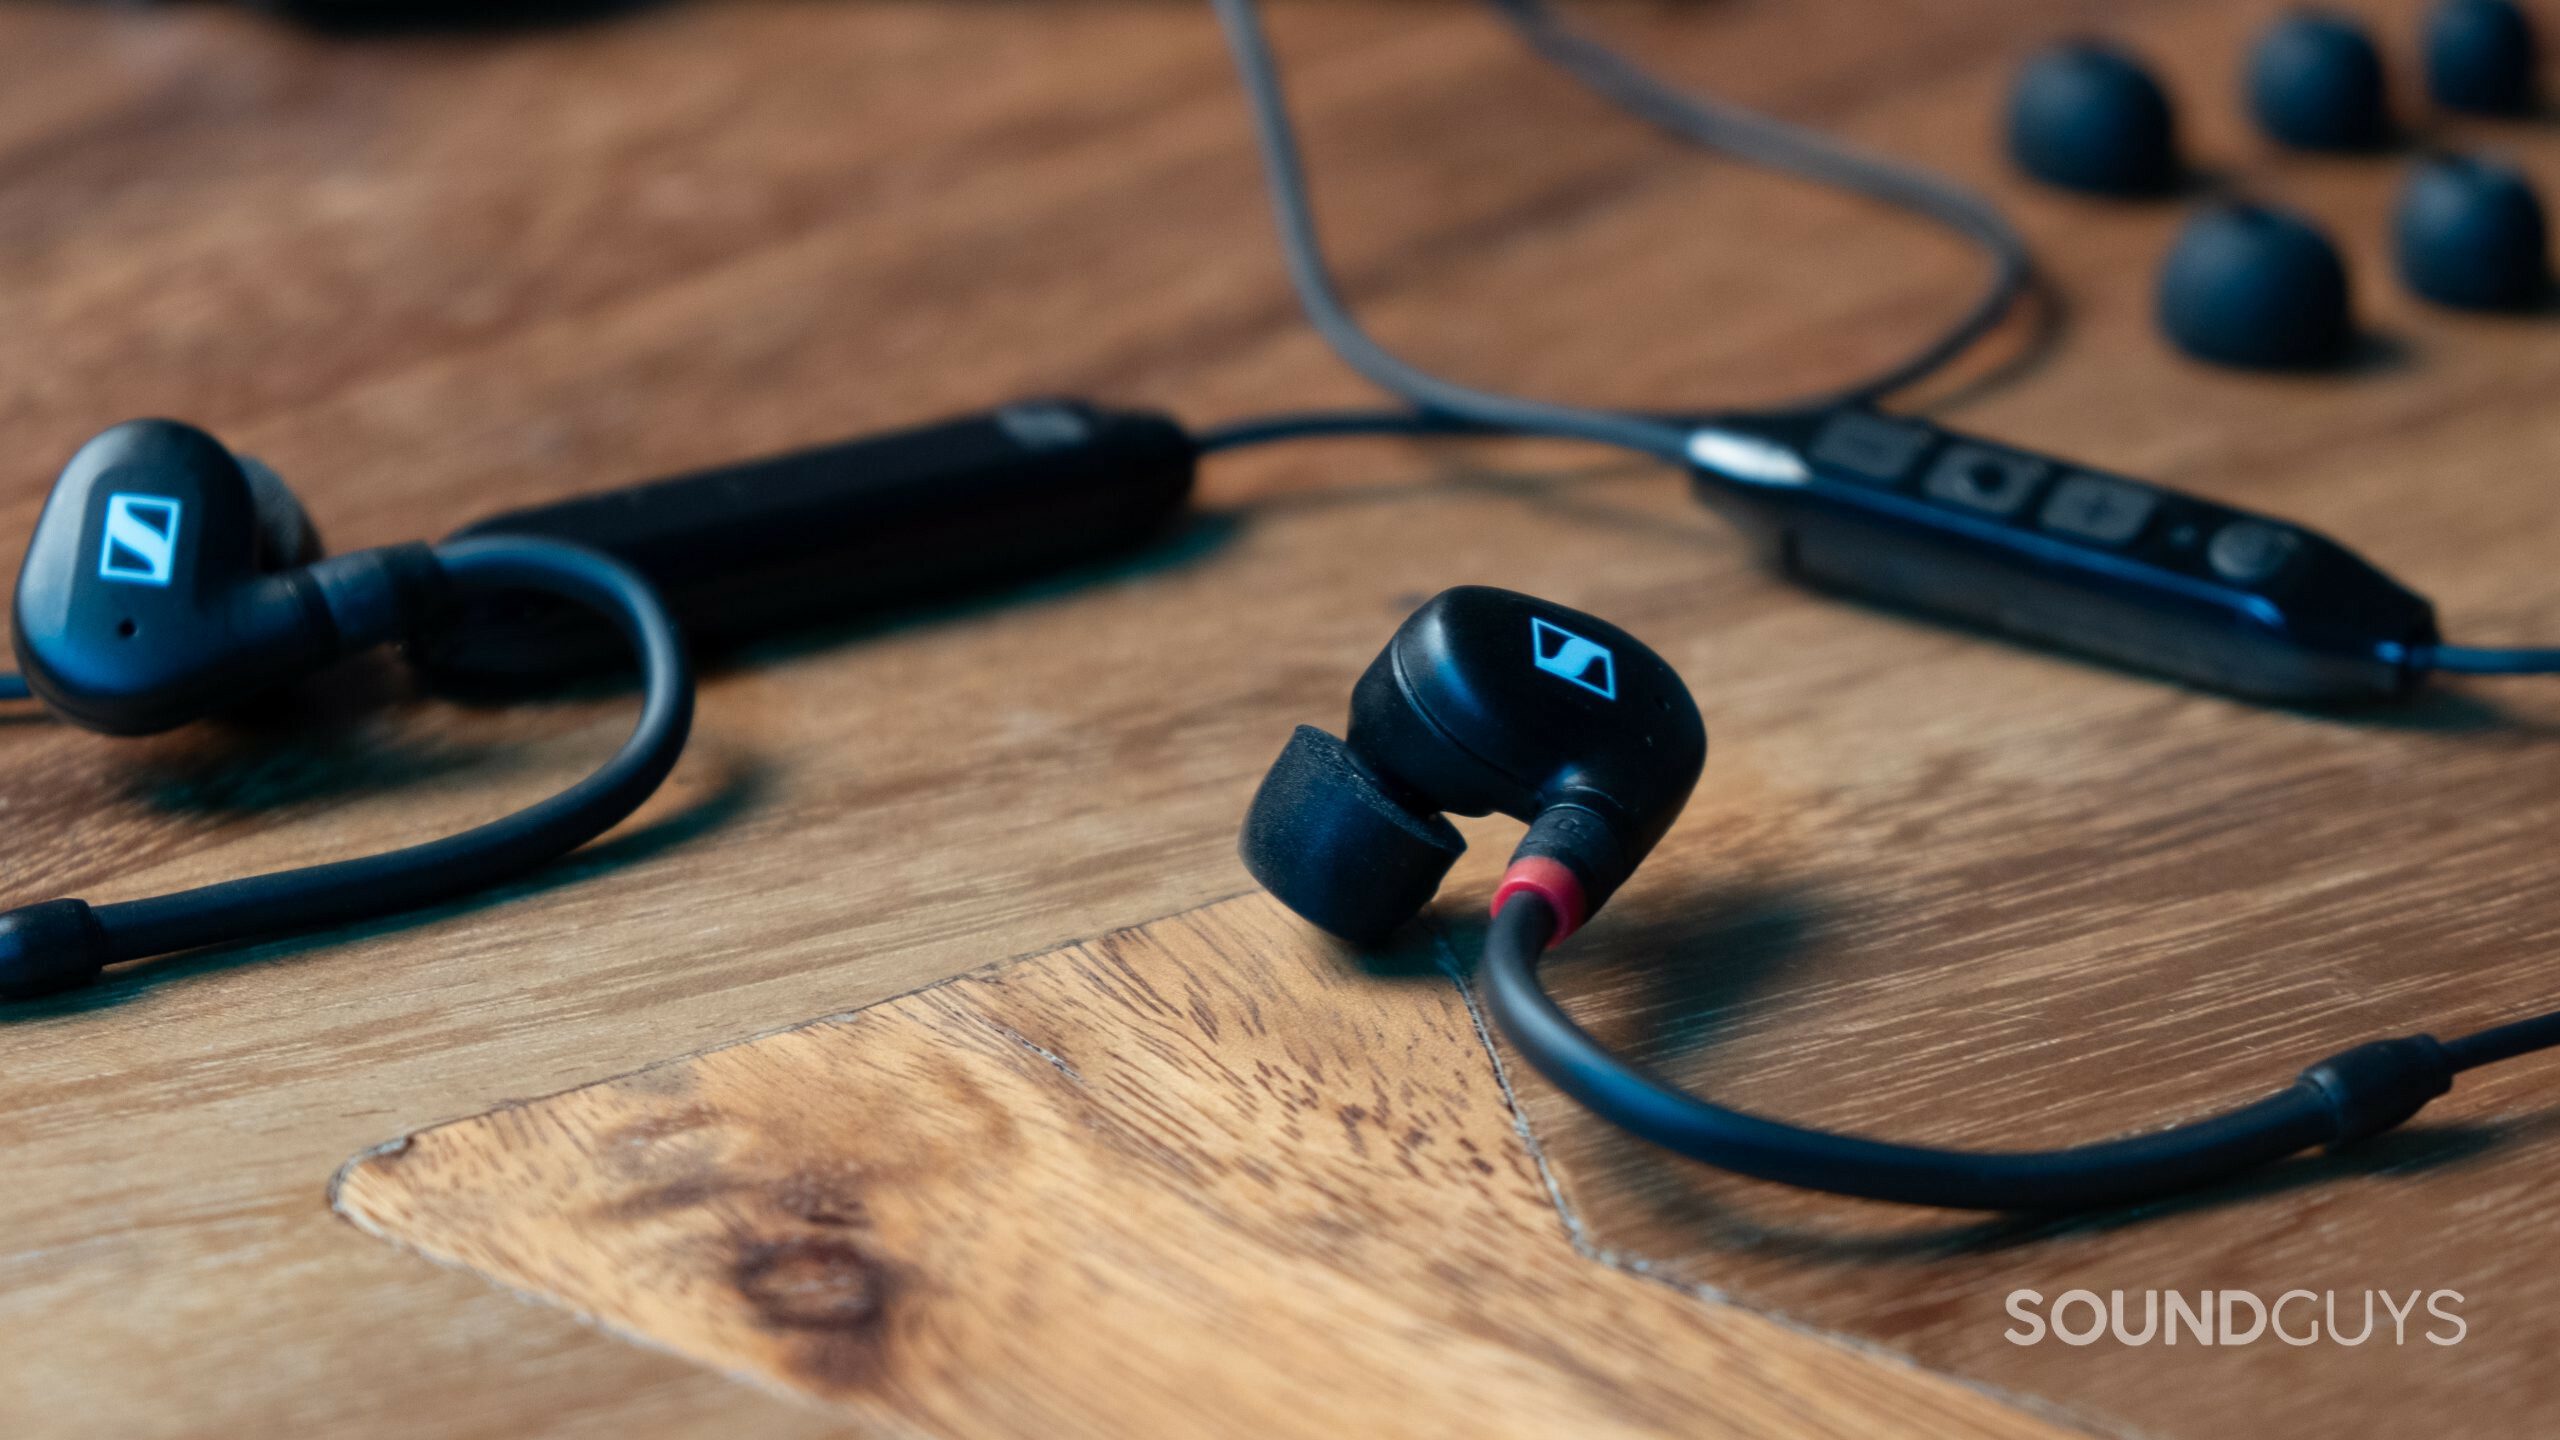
{"x": 1333, "y": 845}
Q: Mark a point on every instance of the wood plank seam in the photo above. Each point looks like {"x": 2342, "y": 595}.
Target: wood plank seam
{"x": 1579, "y": 1235}
{"x": 628, "y": 1335}
{"x": 758, "y": 1380}
{"x": 1447, "y": 958}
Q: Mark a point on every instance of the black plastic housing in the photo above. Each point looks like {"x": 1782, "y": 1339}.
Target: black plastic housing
{"x": 152, "y": 594}
{"x": 1489, "y": 701}
{"x": 1483, "y": 701}
{"x": 1898, "y": 511}
{"x": 755, "y": 549}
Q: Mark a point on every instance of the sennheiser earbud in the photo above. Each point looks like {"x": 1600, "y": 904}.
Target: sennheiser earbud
{"x": 168, "y": 580}
{"x": 1485, "y": 701}
{"x": 1488, "y": 700}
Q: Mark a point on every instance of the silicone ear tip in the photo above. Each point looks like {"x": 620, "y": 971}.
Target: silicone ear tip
{"x": 2088, "y": 117}
{"x": 2252, "y": 286}
{"x": 2471, "y": 233}
{"x": 2481, "y": 56}
{"x": 2315, "y": 83}
{"x": 1331, "y": 844}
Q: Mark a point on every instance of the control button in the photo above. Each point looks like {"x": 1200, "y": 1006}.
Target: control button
{"x": 2099, "y": 510}
{"x": 2246, "y": 552}
{"x": 1995, "y": 482}
{"x": 1870, "y": 446}
{"x": 1043, "y": 426}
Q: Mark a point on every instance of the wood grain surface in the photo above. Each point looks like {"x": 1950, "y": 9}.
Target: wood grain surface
{"x": 1211, "y": 1176}
{"x": 1932, "y": 885}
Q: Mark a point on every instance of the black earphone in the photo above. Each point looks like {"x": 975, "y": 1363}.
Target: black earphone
{"x": 1486, "y": 700}
{"x": 168, "y": 580}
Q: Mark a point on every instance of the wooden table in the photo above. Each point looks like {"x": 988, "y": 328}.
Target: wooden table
{"x": 431, "y": 277}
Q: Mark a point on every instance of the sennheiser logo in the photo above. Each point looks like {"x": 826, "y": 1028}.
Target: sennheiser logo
{"x": 142, "y": 539}
{"x": 1562, "y": 653}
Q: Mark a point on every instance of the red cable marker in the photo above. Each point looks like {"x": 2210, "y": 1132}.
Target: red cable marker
{"x": 1552, "y": 881}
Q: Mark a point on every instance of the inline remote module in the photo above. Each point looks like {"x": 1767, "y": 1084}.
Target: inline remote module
{"x": 2063, "y": 555}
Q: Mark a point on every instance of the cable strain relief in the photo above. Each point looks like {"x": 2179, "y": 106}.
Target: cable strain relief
{"x": 1586, "y": 842}
{"x": 1552, "y": 881}
{"x": 56, "y": 945}
{"x": 2416, "y": 664}
{"x": 2376, "y": 1086}
{"x": 385, "y": 596}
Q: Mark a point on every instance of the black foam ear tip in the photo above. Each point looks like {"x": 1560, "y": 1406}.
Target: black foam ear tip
{"x": 1328, "y": 841}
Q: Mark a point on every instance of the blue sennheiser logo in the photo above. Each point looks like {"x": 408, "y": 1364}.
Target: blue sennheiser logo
{"x": 141, "y": 547}
{"x": 1568, "y": 656}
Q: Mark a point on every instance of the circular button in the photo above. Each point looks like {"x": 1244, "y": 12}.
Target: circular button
{"x": 2246, "y": 552}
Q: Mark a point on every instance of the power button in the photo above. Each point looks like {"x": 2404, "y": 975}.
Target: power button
{"x": 2249, "y": 552}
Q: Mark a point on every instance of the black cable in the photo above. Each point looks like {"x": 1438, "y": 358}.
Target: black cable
{"x": 2471, "y": 660}
{"x": 2505, "y": 1042}
{"x": 1317, "y": 424}
{"x": 2349, "y": 1096}
{"x": 320, "y": 896}
{"x": 1285, "y": 177}
{"x": 1772, "y": 144}
{"x": 1753, "y": 138}
{"x": 2113, "y": 1172}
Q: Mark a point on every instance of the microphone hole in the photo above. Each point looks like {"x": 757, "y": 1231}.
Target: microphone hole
{"x": 126, "y": 629}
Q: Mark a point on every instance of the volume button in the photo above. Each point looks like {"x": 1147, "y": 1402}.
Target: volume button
{"x": 1870, "y": 447}
{"x": 1979, "y": 478}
